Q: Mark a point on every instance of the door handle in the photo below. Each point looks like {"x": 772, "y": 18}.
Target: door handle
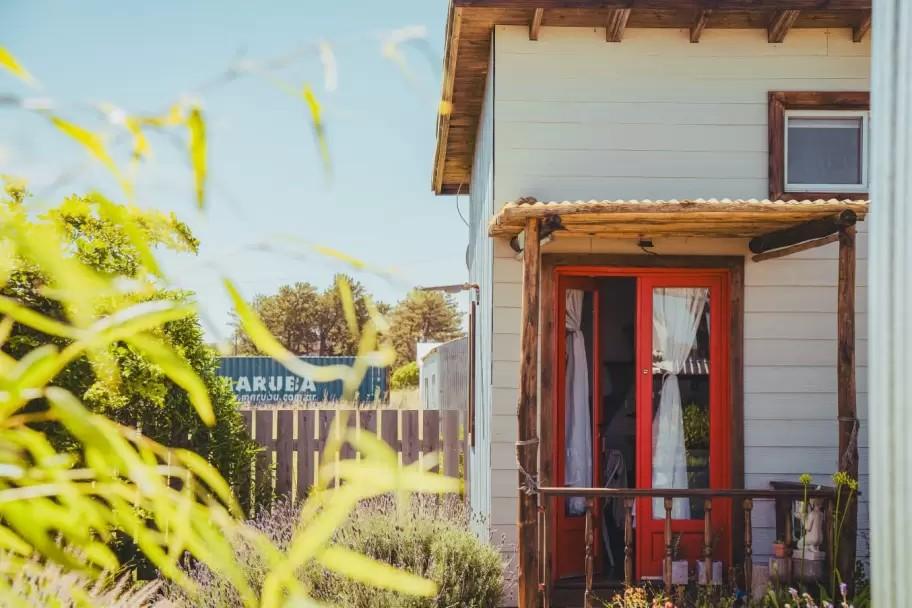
{"x": 645, "y": 371}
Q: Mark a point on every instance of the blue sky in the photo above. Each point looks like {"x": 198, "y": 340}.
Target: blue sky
{"x": 267, "y": 181}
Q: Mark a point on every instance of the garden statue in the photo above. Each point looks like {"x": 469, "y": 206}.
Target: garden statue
{"x": 813, "y": 529}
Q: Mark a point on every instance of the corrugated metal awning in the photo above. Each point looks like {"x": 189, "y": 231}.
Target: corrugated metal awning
{"x": 689, "y": 217}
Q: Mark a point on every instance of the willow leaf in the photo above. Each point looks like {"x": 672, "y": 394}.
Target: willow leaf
{"x": 267, "y": 343}
{"x": 35, "y": 320}
{"x": 197, "y": 127}
{"x": 11, "y": 65}
{"x": 316, "y": 120}
{"x": 375, "y": 573}
{"x": 95, "y": 146}
{"x": 198, "y": 465}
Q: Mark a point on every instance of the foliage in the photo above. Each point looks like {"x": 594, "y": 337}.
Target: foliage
{"x": 133, "y": 390}
{"x": 696, "y": 427}
{"x": 308, "y": 321}
{"x": 405, "y": 376}
{"x": 780, "y": 597}
{"x": 639, "y": 597}
{"x": 425, "y": 537}
{"x": 64, "y": 506}
{"x": 38, "y": 584}
{"x": 423, "y": 316}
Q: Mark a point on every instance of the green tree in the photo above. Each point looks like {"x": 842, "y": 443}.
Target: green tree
{"x": 290, "y": 314}
{"x": 423, "y": 316}
{"x": 311, "y": 322}
{"x": 135, "y": 391}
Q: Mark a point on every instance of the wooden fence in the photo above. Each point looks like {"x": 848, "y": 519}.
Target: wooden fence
{"x": 294, "y": 440}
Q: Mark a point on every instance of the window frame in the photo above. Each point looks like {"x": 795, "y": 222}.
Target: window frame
{"x": 783, "y": 103}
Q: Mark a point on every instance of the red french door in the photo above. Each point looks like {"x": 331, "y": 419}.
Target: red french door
{"x": 700, "y": 374}
{"x": 570, "y": 524}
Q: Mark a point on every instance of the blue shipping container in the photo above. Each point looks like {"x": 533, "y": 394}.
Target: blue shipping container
{"x": 264, "y": 381}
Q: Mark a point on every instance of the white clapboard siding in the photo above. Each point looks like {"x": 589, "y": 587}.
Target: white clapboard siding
{"x": 658, "y": 117}
{"x": 480, "y": 256}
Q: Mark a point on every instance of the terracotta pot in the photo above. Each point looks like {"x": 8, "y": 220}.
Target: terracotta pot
{"x": 779, "y": 550}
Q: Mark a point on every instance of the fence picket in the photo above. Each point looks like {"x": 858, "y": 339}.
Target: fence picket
{"x": 321, "y": 459}
{"x": 305, "y": 448}
{"x": 451, "y": 443}
{"x": 389, "y": 428}
{"x": 284, "y": 448}
{"x": 430, "y": 440}
{"x": 410, "y": 443}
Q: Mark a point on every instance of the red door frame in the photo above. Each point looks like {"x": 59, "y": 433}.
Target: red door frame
{"x": 719, "y": 281}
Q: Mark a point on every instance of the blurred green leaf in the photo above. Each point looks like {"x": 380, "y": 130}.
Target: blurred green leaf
{"x": 95, "y": 146}
{"x": 316, "y": 120}
{"x": 268, "y": 344}
{"x": 197, "y": 127}
{"x": 375, "y": 573}
{"x": 9, "y": 63}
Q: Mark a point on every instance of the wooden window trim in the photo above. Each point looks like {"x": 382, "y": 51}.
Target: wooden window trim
{"x": 779, "y": 103}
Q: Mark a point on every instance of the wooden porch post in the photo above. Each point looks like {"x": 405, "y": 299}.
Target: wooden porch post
{"x": 846, "y": 400}
{"x": 526, "y": 413}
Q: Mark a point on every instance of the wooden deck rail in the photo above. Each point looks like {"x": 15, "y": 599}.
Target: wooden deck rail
{"x": 548, "y": 495}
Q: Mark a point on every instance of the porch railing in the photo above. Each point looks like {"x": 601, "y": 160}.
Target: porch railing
{"x": 782, "y": 498}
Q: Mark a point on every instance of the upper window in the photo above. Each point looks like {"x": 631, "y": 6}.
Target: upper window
{"x": 818, "y": 145}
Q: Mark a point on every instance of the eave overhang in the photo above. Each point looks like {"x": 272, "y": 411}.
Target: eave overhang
{"x": 468, "y": 43}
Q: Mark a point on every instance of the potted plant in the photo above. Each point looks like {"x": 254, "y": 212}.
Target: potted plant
{"x": 679, "y": 570}
{"x": 779, "y": 548}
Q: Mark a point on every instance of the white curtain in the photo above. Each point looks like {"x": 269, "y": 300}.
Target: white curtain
{"x": 578, "y": 439}
{"x": 676, "y": 314}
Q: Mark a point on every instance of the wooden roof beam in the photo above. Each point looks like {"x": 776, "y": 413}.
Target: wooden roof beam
{"x": 806, "y": 231}
{"x": 535, "y": 26}
{"x": 696, "y": 30}
{"x": 861, "y": 30}
{"x": 617, "y": 23}
{"x": 780, "y": 25}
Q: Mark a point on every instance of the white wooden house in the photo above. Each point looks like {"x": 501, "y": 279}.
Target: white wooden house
{"x": 647, "y": 175}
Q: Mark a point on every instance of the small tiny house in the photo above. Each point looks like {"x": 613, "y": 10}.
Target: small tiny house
{"x": 443, "y": 376}
{"x": 667, "y": 204}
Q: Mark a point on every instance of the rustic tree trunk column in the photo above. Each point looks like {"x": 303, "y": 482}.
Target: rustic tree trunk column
{"x": 845, "y": 375}
{"x": 526, "y": 413}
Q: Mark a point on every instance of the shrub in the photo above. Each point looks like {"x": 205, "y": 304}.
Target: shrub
{"x": 405, "y": 377}
{"x": 428, "y": 537}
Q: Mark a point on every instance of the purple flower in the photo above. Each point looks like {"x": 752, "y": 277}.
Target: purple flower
{"x": 844, "y": 590}
{"x": 794, "y": 593}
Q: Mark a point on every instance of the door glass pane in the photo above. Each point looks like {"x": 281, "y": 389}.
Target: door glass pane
{"x": 825, "y": 150}
{"x": 680, "y": 395}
